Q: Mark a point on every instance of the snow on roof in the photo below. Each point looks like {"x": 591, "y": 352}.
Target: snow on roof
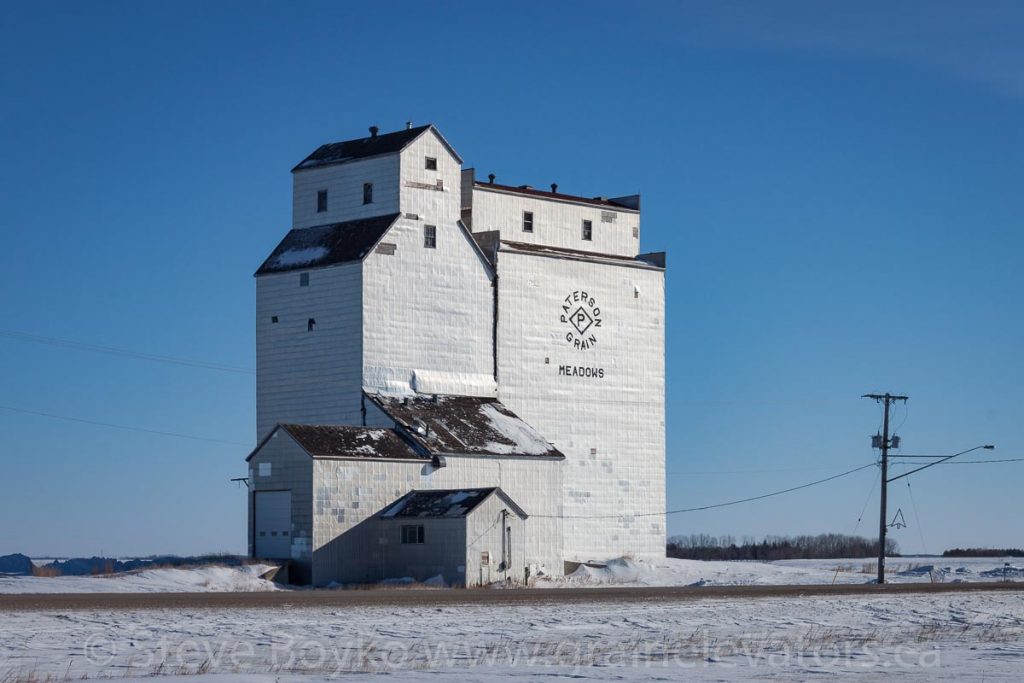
{"x": 465, "y": 425}
{"x": 327, "y": 245}
{"x": 360, "y": 148}
{"x": 444, "y": 503}
{"x": 374, "y": 145}
{"x": 326, "y": 441}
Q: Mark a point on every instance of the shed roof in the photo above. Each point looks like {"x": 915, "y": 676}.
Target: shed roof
{"x": 360, "y": 148}
{"x": 617, "y": 204}
{"x": 345, "y": 441}
{"x": 444, "y": 503}
{"x": 643, "y": 260}
{"x": 327, "y": 245}
{"x": 465, "y": 425}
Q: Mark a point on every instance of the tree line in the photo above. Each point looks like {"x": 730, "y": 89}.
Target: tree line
{"x": 984, "y": 552}
{"x": 820, "y": 547}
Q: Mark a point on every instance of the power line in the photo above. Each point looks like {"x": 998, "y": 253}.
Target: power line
{"x": 917, "y": 517}
{"x": 864, "y": 509}
{"x": 971, "y": 462}
{"x": 124, "y": 427}
{"x": 716, "y": 505}
{"x": 769, "y": 495}
{"x": 768, "y": 471}
{"x": 127, "y": 353}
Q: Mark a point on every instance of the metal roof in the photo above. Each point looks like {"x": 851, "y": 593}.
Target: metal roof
{"x": 360, "y": 148}
{"x": 344, "y": 441}
{"x": 464, "y": 425}
{"x": 643, "y": 260}
{"x": 327, "y": 245}
{"x": 445, "y": 503}
{"x": 630, "y": 203}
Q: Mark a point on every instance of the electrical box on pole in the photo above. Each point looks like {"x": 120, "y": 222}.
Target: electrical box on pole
{"x": 884, "y": 442}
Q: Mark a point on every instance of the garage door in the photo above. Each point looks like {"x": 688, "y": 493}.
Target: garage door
{"x": 273, "y": 524}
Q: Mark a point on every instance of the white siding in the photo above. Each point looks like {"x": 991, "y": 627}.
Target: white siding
{"x": 443, "y": 552}
{"x": 309, "y": 377}
{"x": 620, "y": 416}
{"x": 556, "y": 223}
{"x": 347, "y": 494}
{"x": 290, "y": 470}
{"x": 420, "y": 193}
{"x": 344, "y": 185}
{"x": 484, "y": 532}
{"x": 427, "y": 320}
{"x": 424, "y": 320}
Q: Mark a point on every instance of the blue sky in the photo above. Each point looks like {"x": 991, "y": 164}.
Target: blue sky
{"x": 838, "y": 189}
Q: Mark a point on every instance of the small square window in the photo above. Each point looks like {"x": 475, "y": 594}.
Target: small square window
{"x": 430, "y": 236}
{"x": 588, "y": 231}
{"x": 367, "y": 193}
{"x": 430, "y": 164}
{"x": 311, "y": 324}
{"x": 303, "y": 279}
{"x": 413, "y": 534}
{"x": 321, "y": 201}
{"x": 527, "y": 221}
{"x": 273, "y": 318}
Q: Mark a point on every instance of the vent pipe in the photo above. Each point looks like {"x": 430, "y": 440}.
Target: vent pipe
{"x": 490, "y": 178}
{"x": 554, "y": 188}
{"x": 373, "y": 131}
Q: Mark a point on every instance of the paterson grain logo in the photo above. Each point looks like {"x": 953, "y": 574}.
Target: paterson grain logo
{"x": 581, "y": 316}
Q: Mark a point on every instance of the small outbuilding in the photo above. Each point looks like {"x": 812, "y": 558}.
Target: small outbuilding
{"x": 468, "y": 537}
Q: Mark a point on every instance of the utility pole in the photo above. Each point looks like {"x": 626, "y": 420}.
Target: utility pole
{"x": 887, "y": 400}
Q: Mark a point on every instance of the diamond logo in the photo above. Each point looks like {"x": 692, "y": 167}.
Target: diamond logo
{"x": 582, "y": 316}
{"x": 581, "y": 320}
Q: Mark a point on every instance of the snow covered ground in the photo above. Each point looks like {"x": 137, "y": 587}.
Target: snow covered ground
{"x": 673, "y": 572}
{"x": 872, "y": 638}
{"x": 620, "y": 572}
{"x": 203, "y": 579}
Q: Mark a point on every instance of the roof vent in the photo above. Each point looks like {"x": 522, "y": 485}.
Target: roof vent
{"x": 373, "y": 131}
{"x": 525, "y": 187}
{"x": 554, "y": 188}
{"x": 490, "y": 178}
{"x": 601, "y": 198}
{"x": 408, "y": 125}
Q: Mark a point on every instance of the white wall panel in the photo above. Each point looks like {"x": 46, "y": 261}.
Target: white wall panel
{"x": 309, "y": 377}
{"x": 556, "y": 223}
{"x": 428, "y": 311}
{"x": 348, "y": 493}
{"x": 610, "y": 424}
{"x": 344, "y": 185}
{"x": 291, "y": 470}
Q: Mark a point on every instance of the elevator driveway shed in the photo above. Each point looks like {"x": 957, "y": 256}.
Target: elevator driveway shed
{"x": 467, "y": 537}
